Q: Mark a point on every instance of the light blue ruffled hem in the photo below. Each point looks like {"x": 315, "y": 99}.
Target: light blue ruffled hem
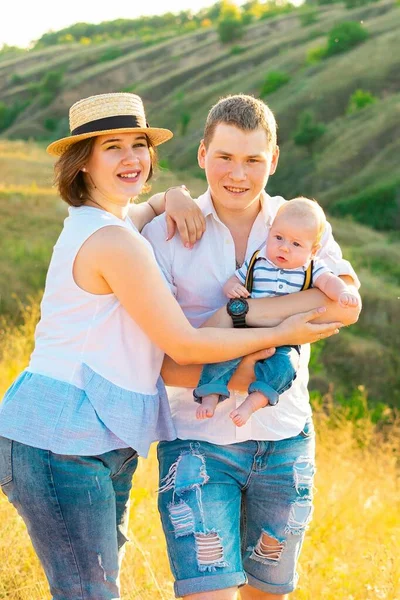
{"x": 54, "y": 415}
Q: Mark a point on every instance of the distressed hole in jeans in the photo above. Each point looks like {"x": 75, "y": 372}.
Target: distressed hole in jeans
{"x": 268, "y": 549}
{"x": 209, "y": 551}
{"x": 299, "y": 518}
{"x": 186, "y": 473}
{"x": 182, "y": 518}
{"x": 304, "y": 471}
{"x": 101, "y": 567}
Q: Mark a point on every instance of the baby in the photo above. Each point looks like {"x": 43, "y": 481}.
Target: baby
{"x": 280, "y": 268}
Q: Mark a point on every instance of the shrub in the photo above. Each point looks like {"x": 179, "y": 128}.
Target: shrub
{"x": 16, "y": 79}
{"x": 273, "y": 81}
{"x": 50, "y": 123}
{"x": 230, "y": 25}
{"x": 356, "y": 3}
{"x": 345, "y": 36}
{"x": 308, "y": 130}
{"x": 8, "y": 114}
{"x": 315, "y": 55}
{"x": 237, "y": 50}
{"x": 184, "y": 121}
{"x": 377, "y": 206}
{"x": 359, "y": 100}
{"x": 51, "y": 82}
{"x": 308, "y": 15}
{"x": 111, "y": 54}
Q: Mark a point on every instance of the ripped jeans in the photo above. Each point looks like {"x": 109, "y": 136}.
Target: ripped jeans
{"x": 236, "y": 514}
{"x": 76, "y": 512}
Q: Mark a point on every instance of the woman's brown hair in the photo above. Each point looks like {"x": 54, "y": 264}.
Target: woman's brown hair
{"x": 71, "y": 183}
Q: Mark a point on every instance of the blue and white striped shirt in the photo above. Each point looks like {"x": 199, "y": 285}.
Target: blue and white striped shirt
{"x": 270, "y": 280}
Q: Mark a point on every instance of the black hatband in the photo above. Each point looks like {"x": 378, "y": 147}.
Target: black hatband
{"x": 117, "y": 122}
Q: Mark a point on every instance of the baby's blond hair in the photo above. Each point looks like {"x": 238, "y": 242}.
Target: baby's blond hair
{"x": 305, "y": 210}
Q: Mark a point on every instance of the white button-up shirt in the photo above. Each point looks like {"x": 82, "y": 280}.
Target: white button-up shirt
{"x": 196, "y": 278}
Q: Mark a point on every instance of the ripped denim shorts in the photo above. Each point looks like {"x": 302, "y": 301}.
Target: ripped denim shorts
{"x": 238, "y": 513}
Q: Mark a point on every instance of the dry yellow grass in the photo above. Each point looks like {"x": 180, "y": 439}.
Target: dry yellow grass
{"x": 351, "y": 551}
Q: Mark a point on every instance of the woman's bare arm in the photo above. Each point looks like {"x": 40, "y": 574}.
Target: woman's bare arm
{"x": 268, "y": 312}
{"x": 126, "y": 265}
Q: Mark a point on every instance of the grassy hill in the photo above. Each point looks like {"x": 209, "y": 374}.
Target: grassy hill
{"x": 31, "y": 217}
{"x": 350, "y": 169}
{"x": 180, "y": 78}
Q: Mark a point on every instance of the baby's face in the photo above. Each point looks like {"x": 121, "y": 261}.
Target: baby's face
{"x": 290, "y": 244}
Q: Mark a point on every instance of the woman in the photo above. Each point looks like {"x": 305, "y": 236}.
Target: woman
{"x": 90, "y": 401}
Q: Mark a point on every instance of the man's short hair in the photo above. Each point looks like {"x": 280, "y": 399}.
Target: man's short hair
{"x": 244, "y": 112}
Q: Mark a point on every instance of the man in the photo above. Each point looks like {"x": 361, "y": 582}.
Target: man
{"x": 235, "y": 502}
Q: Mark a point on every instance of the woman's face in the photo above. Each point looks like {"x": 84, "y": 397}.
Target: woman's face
{"x": 118, "y": 167}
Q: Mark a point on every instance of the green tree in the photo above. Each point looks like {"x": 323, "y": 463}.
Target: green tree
{"x": 308, "y": 130}
{"x": 345, "y": 36}
{"x": 230, "y": 24}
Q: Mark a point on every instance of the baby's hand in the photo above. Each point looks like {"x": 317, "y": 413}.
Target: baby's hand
{"x": 236, "y": 290}
{"x": 348, "y": 300}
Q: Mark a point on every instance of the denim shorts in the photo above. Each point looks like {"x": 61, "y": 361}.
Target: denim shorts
{"x": 238, "y": 513}
{"x": 76, "y": 512}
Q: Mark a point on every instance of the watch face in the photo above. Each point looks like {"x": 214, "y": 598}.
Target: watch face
{"x": 237, "y": 306}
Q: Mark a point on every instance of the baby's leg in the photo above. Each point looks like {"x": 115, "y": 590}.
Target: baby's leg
{"x": 207, "y": 407}
{"x": 253, "y": 402}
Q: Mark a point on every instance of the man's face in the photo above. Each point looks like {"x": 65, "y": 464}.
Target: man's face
{"x": 237, "y": 165}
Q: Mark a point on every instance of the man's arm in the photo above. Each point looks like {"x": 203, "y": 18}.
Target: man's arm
{"x": 268, "y": 312}
{"x": 188, "y": 375}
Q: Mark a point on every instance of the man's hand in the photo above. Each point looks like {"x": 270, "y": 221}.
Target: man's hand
{"x": 244, "y": 374}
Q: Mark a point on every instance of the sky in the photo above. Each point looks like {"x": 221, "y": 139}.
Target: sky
{"x": 26, "y": 21}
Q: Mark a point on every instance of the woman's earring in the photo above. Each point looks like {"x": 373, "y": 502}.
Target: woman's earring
{"x": 84, "y": 169}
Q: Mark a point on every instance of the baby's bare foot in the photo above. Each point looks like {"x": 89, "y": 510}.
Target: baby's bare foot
{"x": 241, "y": 415}
{"x": 207, "y": 407}
{"x": 253, "y": 402}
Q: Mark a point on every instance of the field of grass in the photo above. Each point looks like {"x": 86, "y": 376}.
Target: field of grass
{"x": 351, "y": 552}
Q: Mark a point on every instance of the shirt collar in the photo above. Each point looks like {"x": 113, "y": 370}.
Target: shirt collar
{"x": 206, "y": 205}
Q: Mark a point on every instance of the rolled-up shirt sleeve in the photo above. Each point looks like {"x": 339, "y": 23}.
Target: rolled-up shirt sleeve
{"x": 156, "y": 233}
{"x": 331, "y": 254}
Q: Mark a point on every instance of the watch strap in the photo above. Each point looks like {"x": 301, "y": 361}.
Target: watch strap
{"x": 239, "y": 321}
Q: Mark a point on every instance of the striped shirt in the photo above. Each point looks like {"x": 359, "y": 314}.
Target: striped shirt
{"x": 270, "y": 280}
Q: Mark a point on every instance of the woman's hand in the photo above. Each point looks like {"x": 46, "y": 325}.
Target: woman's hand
{"x": 299, "y": 329}
{"x": 182, "y": 213}
{"x": 244, "y": 374}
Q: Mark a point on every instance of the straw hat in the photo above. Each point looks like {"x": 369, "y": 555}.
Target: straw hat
{"x": 107, "y": 113}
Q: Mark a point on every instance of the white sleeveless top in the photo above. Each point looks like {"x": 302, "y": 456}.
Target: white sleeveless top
{"x": 78, "y": 327}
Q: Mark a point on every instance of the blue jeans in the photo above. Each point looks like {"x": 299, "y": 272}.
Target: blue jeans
{"x": 274, "y": 375}
{"x": 76, "y": 512}
{"x": 237, "y": 513}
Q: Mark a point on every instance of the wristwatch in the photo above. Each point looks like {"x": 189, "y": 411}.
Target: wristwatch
{"x": 237, "y": 309}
